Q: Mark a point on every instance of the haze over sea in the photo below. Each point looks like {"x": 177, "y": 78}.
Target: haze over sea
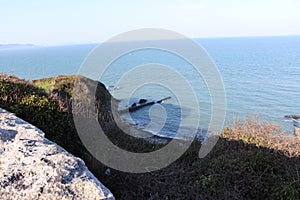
{"x": 261, "y": 75}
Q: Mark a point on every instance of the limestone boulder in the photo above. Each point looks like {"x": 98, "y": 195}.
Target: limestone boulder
{"x": 32, "y": 167}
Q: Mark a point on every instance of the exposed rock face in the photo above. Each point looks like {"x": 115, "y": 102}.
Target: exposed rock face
{"x": 32, "y": 167}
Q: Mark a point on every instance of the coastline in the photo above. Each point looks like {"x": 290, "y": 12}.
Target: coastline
{"x": 248, "y": 157}
{"x": 134, "y": 130}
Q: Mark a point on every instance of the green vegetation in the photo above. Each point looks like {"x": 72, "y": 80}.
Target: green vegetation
{"x": 56, "y": 83}
{"x": 44, "y": 83}
{"x": 36, "y": 106}
{"x": 251, "y": 160}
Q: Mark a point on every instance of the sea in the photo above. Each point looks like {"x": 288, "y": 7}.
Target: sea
{"x": 261, "y": 77}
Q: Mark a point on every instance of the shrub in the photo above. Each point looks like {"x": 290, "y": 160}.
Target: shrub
{"x": 34, "y": 105}
{"x": 252, "y": 131}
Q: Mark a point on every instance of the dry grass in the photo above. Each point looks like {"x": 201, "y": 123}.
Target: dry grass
{"x": 10, "y": 78}
{"x": 252, "y": 131}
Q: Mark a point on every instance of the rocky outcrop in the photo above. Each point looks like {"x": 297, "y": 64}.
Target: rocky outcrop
{"x": 32, "y": 167}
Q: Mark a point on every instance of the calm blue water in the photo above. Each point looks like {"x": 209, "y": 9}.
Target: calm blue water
{"x": 261, "y": 76}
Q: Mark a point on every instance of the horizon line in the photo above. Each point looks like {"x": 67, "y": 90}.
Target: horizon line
{"x": 94, "y": 42}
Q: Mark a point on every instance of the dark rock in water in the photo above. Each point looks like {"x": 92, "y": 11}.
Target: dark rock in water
{"x": 133, "y": 105}
{"x": 295, "y": 117}
{"x": 143, "y": 101}
{"x": 292, "y": 117}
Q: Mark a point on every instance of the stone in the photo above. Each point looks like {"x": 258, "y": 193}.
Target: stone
{"x": 142, "y": 101}
{"x": 297, "y": 131}
{"x": 32, "y": 167}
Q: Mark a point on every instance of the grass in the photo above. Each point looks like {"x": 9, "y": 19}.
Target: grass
{"x": 44, "y": 84}
{"x": 252, "y": 160}
{"x": 52, "y": 83}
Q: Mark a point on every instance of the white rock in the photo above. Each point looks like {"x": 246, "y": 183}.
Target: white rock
{"x": 32, "y": 167}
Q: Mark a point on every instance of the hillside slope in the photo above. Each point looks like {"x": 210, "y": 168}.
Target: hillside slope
{"x": 251, "y": 160}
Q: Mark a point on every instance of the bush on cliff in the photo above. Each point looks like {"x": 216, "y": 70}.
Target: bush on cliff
{"x": 34, "y": 105}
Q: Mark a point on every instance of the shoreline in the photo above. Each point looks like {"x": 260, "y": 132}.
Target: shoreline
{"x": 148, "y": 135}
{"x": 134, "y": 131}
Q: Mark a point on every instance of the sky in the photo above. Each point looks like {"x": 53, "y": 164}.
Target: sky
{"x": 59, "y": 22}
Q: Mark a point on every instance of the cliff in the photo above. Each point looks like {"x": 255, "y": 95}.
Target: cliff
{"x": 252, "y": 160}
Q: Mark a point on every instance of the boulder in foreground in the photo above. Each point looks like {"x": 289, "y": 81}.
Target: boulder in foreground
{"x": 32, "y": 167}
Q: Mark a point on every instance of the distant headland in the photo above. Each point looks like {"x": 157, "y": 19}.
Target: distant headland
{"x": 13, "y": 46}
